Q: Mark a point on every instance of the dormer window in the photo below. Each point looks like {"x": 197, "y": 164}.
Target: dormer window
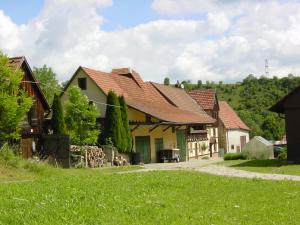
{"x": 82, "y": 83}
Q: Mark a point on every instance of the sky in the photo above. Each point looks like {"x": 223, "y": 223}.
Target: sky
{"x": 217, "y": 40}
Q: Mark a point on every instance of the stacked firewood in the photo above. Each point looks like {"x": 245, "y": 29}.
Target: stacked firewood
{"x": 95, "y": 156}
{"x": 119, "y": 161}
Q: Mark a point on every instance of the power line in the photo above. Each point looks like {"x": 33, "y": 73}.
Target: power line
{"x": 65, "y": 92}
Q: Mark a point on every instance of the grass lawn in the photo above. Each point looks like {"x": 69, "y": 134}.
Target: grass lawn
{"x": 264, "y": 166}
{"x": 93, "y": 196}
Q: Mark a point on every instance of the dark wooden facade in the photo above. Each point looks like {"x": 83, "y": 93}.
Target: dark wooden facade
{"x": 290, "y": 106}
{"x": 33, "y": 124}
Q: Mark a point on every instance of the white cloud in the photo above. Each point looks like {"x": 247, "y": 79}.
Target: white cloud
{"x": 229, "y": 42}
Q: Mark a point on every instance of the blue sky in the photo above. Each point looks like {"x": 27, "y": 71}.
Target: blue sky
{"x": 183, "y": 39}
{"x": 122, "y": 14}
{"x": 21, "y": 11}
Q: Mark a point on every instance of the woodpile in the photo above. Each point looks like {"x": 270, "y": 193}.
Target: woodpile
{"x": 94, "y": 156}
{"x": 119, "y": 161}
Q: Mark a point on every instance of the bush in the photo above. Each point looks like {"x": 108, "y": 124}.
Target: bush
{"x": 282, "y": 154}
{"x": 235, "y": 156}
{"x": 8, "y": 158}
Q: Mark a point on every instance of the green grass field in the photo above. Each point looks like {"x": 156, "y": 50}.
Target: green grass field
{"x": 93, "y": 196}
{"x": 264, "y": 166}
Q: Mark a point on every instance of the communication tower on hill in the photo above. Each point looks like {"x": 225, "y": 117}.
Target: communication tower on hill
{"x": 266, "y": 68}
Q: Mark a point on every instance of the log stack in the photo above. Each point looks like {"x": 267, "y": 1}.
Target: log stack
{"x": 119, "y": 161}
{"x": 94, "y": 156}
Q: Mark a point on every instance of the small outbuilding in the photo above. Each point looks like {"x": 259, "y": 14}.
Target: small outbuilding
{"x": 289, "y": 106}
{"x": 259, "y": 148}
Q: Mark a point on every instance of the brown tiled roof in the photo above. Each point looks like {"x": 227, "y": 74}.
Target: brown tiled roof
{"x": 17, "y": 62}
{"x": 229, "y": 117}
{"x": 205, "y": 98}
{"x": 179, "y": 98}
{"x": 143, "y": 96}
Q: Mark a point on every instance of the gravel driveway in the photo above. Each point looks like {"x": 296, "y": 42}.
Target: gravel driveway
{"x": 208, "y": 166}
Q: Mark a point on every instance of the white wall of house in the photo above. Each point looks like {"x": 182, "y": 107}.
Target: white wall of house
{"x": 213, "y": 132}
{"x": 93, "y": 92}
{"x": 233, "y": 140}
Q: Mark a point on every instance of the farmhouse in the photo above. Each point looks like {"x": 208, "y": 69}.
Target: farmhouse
{"x": 208, "y": 101}
{"x": 156, "y": 122}
{"x": 233, "y": 132}
{"x": 183, "y": 100}
{"x": 32, "y": 128}
{"x": 290, "y": 107}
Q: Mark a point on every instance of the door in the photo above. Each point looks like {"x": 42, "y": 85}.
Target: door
{"x": 159, "y": 144}
{"x": 243, "y": 141}
{"x": 142, "y": 145}
{"x": 181, "y": 144}
{"x": 26, "y": 147}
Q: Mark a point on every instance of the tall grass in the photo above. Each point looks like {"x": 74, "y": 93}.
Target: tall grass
{"x": 9, "y": 158}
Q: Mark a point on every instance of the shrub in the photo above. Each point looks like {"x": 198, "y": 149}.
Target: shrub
{"x": 235, "y": 156}
{"x": 8, "y": 158}
{"x": 282, "y": 154}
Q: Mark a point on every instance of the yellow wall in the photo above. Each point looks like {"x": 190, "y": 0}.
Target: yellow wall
{"x": 169, "y": 137}
{"x": 92, "y": 91}
{"x": 135, "y": 115}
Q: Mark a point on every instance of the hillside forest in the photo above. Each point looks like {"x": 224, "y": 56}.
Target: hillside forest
{"x": 251, "y": 99}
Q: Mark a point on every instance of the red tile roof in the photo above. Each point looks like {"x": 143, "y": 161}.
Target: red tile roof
{"x": 179, "y": 98}
{"x": 229, "y": 117}
{"x": 205, "y": 98}
{"x": 143, "y": 96}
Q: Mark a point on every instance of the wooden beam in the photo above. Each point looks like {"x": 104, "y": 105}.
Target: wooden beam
{"x": 135, "y": 128}
{"x": 141, "y": 123}
{"x": 178, "y": 127}
{"x": 166, "y": 128}
{"x": 153, "y": 128}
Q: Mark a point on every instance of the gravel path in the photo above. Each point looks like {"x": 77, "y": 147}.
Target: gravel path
{"x": 208, "y": 166}
{"x": 228, "y": 171}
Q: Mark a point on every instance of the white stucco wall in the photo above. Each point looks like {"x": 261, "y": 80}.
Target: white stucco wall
{"x": 233, "y": 137}
{"x": 92, "y": 91}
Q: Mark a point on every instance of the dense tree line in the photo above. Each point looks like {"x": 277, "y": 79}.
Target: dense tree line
{"x": 252, "y": 98}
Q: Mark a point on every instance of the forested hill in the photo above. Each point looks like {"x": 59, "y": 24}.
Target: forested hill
{"x": 252, "y": 98}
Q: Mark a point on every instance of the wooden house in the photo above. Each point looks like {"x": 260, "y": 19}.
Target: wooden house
{"x": 233, "y": 132}
{"x": 155, "y": 122}
{"x": 32, "y": 128}
{"x": 289, "y": 108}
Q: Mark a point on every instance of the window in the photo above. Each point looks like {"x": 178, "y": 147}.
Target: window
{"x": 215, "y": 114}
{"x": 232, "y": 147}
{"x": 82, "y": 83}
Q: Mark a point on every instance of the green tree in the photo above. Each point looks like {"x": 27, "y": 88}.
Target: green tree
{"x": 47, "y": 81}
{"x": 14, "y": 102}
{"x": 81, "y": 118}
{"x": 57, "y": 121}
{"x": 271, "y": 129}
{"x": 167, "y": 81}
{"x": 199, "y": 84}
{"x": 126, "y": 134}
{"x": 113, "y": 122}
